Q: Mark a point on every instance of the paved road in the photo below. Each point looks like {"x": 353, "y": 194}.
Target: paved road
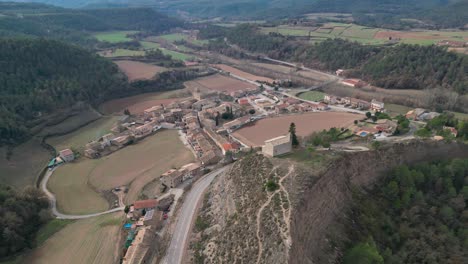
{"x": 53, "y": 202}
{"x": 175, "y": 252}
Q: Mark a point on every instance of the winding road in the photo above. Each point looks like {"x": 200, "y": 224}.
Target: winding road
{"x": 176, "y": 250}
{"x": 53, "y": 202}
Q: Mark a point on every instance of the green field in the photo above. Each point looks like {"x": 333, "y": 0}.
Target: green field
{"x": 150, "y": 45}
{"x": 312, "y": 96}
{"x": 395, "y": 109}
{"x": 174, "y": 54}
{"x": 366, "y": 35}
{"x": 114, "y": 36}
{"x": 174, "y": 37}
{"x": 126, "y": 53}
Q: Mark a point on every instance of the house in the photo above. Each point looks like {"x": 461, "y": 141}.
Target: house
{"x": 230, "y": 146}
{"x": 377, "y": 106}
{"x": 330, "y": 99}
{"x": 140, "y": 250}
{"x": 277, "y": 146}
{"x": 339, "y": 72}
{"x": 67, "y": 155}
{"x": 415, "y": 114}
{"x": 121, "y": 141}
{"x": 106, "y": 139}
{"x": 171, "y": 178}
{"x": 360, "y": 104}
{"x": 191, "y": 170}
{"x": 168, "y": 117}
{"x": 386, "y": 126}
{"x": 281, "y": 108}
{"x": 244, "y": 101}
{"x": 209, "y": 158}
{"x": 177, "y": 113}
{"x": 154, "y": 111}
{"x": 145, "y": 205}
{"x": 92, "y": 154}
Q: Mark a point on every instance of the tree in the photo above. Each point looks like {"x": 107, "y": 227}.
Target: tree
{"x": 127, "y": 209}
{"x": 252, "y": 111}
{"x": 368, "y": 114}
{"x": 292, "y": 131}
{"x": 127, "y": 112}
{"x": 356, "y": 122}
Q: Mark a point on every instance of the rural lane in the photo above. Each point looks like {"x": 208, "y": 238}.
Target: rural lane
{"x": 176, "y": 250}
{"x": 53, "y": 202}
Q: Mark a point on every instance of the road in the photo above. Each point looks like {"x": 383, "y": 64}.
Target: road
{"x": 176, "y": 250}
{"x": 53, "y": 202}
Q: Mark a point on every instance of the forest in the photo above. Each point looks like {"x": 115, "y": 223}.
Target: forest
{"x": 39, "y": 76}
{"x": 71, "y": 25}
{"x": 418, "y": 215}
{"x": 22, "y": 214}
{"x": 393, "y": 67}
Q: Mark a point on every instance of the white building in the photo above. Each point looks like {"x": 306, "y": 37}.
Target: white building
{"x": 377, "y": 106}
{"x": 277, "y": 146}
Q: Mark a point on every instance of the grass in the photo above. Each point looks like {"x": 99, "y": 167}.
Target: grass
{"x": 49, "y": 229}
{"x": 150, "y": 45}
{"x": 174, "y": 37}
{"x": 396, "y": 109}
{"x": 83, "y": 241}
{"x": 312, "y": 96}
{"x": 176, "y": 55}
{"x": 80, "y": 137}
{"x": 114, "y": 36}
{"x": 126, "y": 53}
{"x": 77, "y": 185}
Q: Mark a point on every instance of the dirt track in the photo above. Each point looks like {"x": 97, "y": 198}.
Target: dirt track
{"x": 256, "y": 134}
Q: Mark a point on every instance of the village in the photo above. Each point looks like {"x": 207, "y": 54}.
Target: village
{"x": 210, "y": 123}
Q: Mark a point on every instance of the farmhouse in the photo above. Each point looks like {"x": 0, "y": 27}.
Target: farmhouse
{"x": 377, "y": 106}
{"x": 353, "y": 82}
{"x": 67, "y": 155}
{"x": 277, "y": 146}
{"x": 386, "y": 126}
{"x": 139, "y": 251}
{"x": 145, "y": 205}
{"x": 191, "y": 170}
{"x": 171, "y": 178}
{"x": 209, "y": 158}
{"x": 330, "y": 99}
{"x": 356, "y": 103}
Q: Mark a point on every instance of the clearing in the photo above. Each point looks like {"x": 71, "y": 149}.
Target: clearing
{"x": 136, "y": 70}
{"x": 76, "y": 185}
{"x": 92, "y": 241}
{"x": 219, "y": 83}
{"x": 114, "y": 36}
{"x": 141, "y": 102}
{"x": 243, "y": 74}
{"x": 256, "y": 134}
{"x": 122, "y": 53}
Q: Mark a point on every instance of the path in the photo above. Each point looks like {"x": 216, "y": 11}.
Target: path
{"x": 259, "y": 214}
{"x": 176, "y": 250}
{"x": 53, "y": 202}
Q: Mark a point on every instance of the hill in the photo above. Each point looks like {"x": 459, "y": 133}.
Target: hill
{"x": 73, "y": 25}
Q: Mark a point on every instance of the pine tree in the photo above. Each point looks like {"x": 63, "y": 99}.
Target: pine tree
{"x": 292, "y": 131}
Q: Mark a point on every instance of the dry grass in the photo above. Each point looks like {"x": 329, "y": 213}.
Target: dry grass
{"x": 90, "y": 241}
{"x": 138, "y": 103}
{"x": 219, "y": 83}
{"x": 25, "y": 164}
{"x": 136, "y": 70}
{"x": 306, "y": 124}
{"x": 243, "y": 74}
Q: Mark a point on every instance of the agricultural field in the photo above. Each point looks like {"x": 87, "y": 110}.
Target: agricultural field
{"x": 136, "y": 70}
{"x": 24, "y": 165}
{"x": 141, "y": 102}
{"x": 243, "y": 74}
{"x": 78, "y": 138}
{"x": 316, "y": 75}
{"x": 114, "y": 36}
{"x": 219, "y": 83}
{"x": 178, "y": 37}
{"x": 367, "y": 35}
{"x": 92, "y": 241}
{"x": 147, "y": 45}
{"x": 176, "y": 55}
{"x": 77, "y": 185}
{"x": 122, "y": 53}
{"x": 312, "y": 96}
{"x": 395, "y": 109}
{"x": 264, "y": 129}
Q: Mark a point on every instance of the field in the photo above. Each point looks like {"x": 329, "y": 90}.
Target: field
{"x": 136, "y": 70}
{"x": 141, "y": 102}
{"x": 114, "y": 36}
{"x": 27, "y": 161}
{"x": 122, "y": 53}
{"x": 77, "y": 184}
{"x": 367, "y": 35}
{"x": 219, "y": 83}
{"x": 256, "y": 134}
{"x": 312, "y": 96}
{"x": 177, "y": 37}
{"x": 176, "y": 55}
{"x": 147, "y": 45}
{"x": 396, "y": 109}
{"x": 289, "y": 70}
{"x": 92, "y": 241}
{"x": 243, "y": 74}
{"x": 78, "y": 138}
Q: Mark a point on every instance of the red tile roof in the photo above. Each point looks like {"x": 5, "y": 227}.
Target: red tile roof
{"x": 151, "y": 203}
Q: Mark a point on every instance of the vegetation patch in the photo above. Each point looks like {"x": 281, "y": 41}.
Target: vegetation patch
{"x": 114, "y": 36}
{"x": 315, "y": 96}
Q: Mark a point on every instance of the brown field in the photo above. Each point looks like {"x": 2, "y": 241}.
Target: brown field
{"x": 91, "y": 241}
{"x": 288, "y": 70}
{"x": 219, "y": 83}
{"x": 243, "y": 74}
{"x": 136, "y": 70}
{"x": 138, "y": 103}
{"x": 256, "y": 134}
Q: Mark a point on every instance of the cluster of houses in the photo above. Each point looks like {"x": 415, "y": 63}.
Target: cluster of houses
{"x": 373, "y": 105}
{"x": 173, "y": 177}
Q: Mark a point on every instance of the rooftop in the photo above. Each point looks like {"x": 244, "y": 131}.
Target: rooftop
{"x": 66, "y": 152}
{"x": 279, "y": 140}
{"x": 151, "y": 203}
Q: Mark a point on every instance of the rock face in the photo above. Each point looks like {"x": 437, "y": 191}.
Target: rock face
{"x": 301, "y": 217}
{"x": 318, "y": 219}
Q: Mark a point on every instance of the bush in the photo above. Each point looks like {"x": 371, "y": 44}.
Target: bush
{"x": 271, "y": 186}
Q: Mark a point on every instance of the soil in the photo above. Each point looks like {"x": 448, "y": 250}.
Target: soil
{"x": 243, "y": 74}
{"x": 256, "y": 134}
{"x": 220, "y": 83}
{"x": 136, "y": 70}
